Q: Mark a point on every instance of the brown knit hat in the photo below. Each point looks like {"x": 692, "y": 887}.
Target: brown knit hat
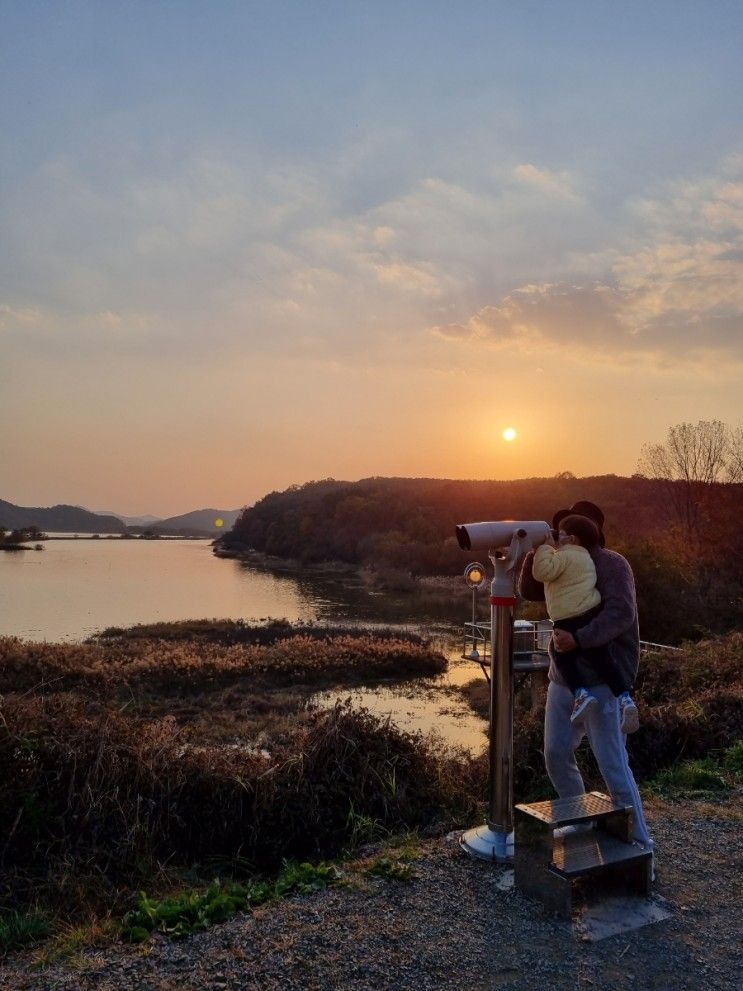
{"x": 582, "y": 508}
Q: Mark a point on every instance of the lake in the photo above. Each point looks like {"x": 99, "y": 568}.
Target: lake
{"x": 74, "y": 588}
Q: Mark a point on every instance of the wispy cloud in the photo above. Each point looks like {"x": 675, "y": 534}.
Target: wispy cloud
{"x": 677, "y": 293}
{"x": 559, "y": 184}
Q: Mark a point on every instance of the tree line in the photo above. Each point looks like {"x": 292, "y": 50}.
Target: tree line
{"x": 677, "y": 520}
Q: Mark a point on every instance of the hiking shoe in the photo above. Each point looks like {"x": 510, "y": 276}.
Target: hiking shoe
{"x": 629, "y": 717}
{"x": 583, "y": 702}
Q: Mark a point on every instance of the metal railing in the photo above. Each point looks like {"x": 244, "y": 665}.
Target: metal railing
{"x": 529, "y": 637}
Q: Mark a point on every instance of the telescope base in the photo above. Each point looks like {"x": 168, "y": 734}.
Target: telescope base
{"x": 485, "y": 843}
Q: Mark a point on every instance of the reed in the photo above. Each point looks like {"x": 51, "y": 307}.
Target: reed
{"x": 96, "y": 794}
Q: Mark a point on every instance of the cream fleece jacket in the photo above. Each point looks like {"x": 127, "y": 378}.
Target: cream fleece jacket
{"x": 569, "y": 577}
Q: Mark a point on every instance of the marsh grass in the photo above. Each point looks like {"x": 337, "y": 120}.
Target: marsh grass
{"x": 691, "y": 705}
{"x": 144, "y": 765}
{"x": 177, "y": 666}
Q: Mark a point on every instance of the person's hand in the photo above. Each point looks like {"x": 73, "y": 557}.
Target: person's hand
{"x": 563, "y": 641}
{"x": 546, "y": 540}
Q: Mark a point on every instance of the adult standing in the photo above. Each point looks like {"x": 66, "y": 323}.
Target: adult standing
{"x": 615, "y": 626}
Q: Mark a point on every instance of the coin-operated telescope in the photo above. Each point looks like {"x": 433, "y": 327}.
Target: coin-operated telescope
{"x": 506, "y": 542}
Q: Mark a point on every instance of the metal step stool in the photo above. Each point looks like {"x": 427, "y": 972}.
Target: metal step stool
{"x": 545, "y": 865}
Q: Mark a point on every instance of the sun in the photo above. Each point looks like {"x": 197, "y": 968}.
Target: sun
{"x": 509, "y": 434}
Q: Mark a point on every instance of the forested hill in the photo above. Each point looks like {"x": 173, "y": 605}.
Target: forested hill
{"x": 409, "y": 522}
{"x": 687, "y": 582}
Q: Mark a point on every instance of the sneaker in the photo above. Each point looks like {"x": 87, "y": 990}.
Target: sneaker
{"x": 573, "y": 830}
{"x": 652, "y": 858}
{"x": 629, "y": 717}
{"x": 583, "y": 702}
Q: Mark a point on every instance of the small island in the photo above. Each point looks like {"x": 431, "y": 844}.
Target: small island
{"x": 17, "y": 540}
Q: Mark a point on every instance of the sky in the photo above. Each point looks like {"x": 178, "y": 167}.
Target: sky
{"x": 249, "y": 244}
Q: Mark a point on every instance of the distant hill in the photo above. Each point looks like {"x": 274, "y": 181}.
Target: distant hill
{"x": 59, "y": 519}
{"x": 198, "y": 521}
{"x": 129, "y": 520}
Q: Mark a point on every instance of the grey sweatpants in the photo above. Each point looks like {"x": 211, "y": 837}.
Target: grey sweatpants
{"x": 607, "y": 742}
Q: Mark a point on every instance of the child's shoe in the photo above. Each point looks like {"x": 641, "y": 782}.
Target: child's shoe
{"x": 583, "y": 702}
{"x": 629, "y": 717}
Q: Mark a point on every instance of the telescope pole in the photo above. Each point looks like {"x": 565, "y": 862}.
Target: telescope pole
{"x": 500, "y": 786}
{"x": 494, "y": 841}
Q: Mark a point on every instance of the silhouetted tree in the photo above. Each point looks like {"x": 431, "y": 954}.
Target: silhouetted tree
{"x": 693, "y": 459}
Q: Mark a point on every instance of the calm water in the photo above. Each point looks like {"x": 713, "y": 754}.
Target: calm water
{"x": 74, "y": 588}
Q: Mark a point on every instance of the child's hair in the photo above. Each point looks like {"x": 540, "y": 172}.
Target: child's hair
{"x": 584, "y": 529}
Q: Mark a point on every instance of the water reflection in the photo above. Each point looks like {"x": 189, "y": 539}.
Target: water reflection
{"x": 78, "y": 587}
{"x": 429, "y": 707}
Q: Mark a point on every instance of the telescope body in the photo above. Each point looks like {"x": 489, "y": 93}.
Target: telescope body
{"x": 483, "y": 536}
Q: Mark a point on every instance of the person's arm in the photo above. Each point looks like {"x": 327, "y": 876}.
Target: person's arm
{"x": 548, "y": 563}
{"x": 529, "y": 588}
{"x": 618, "y": 604}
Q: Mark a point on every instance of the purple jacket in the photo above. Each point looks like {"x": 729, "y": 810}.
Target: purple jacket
{"x": 615, "y": 625}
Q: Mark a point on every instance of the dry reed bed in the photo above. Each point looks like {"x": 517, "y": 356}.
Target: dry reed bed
{"x": 96, "y": 795}
{"x": 111, "y": 797}
{"x": 188, "y": 665}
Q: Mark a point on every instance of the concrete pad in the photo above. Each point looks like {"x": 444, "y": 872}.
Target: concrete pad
{"x": 613, "y": 915}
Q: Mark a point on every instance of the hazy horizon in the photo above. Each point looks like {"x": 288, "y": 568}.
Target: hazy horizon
{"x": 247, "y": 246}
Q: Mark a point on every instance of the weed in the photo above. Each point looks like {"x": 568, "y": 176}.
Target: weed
{"x": 406, "y": 847}
{"x": 362, "y": 829}
{"x": 304, "y": 878}
{"x": 19, "y": 929}
{"x": 732, "y": 760}
{"x": 189, "y": 911}
{"x": 71, "y": 940}
{"x": 691, "y": 779}
{"x": 391, "y": 870}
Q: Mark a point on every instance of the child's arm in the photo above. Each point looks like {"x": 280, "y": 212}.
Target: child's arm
{"x": 548, "y": 564}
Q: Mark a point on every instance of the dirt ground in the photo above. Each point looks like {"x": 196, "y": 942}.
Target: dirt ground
{"x": 456, "y": 925}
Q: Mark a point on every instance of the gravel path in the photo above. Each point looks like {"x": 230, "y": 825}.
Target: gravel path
{"x": 453, "y": 927}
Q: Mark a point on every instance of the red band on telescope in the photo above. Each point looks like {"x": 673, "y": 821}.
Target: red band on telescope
{"x": 499, "y": 600}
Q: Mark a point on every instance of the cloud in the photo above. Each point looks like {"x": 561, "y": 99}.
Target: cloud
{"x": 559, "y": 184}
{"x": 675, "y": 295}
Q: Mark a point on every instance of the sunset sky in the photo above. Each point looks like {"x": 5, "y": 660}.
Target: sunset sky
{"x": 249, "y": 244}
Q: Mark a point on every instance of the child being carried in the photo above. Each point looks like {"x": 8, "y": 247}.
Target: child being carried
{"x": 569, "y": 578}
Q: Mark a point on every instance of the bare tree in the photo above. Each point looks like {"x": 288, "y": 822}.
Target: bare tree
{"x": 694, "y": 458}
{"x": 735, "y": 456}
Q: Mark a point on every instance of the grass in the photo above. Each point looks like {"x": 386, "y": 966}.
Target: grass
{"x": 71, "y": 940}
{"x": 389, "y": 869}
{"x": 709, "y": 777}
{"x": 22, "y": 928}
